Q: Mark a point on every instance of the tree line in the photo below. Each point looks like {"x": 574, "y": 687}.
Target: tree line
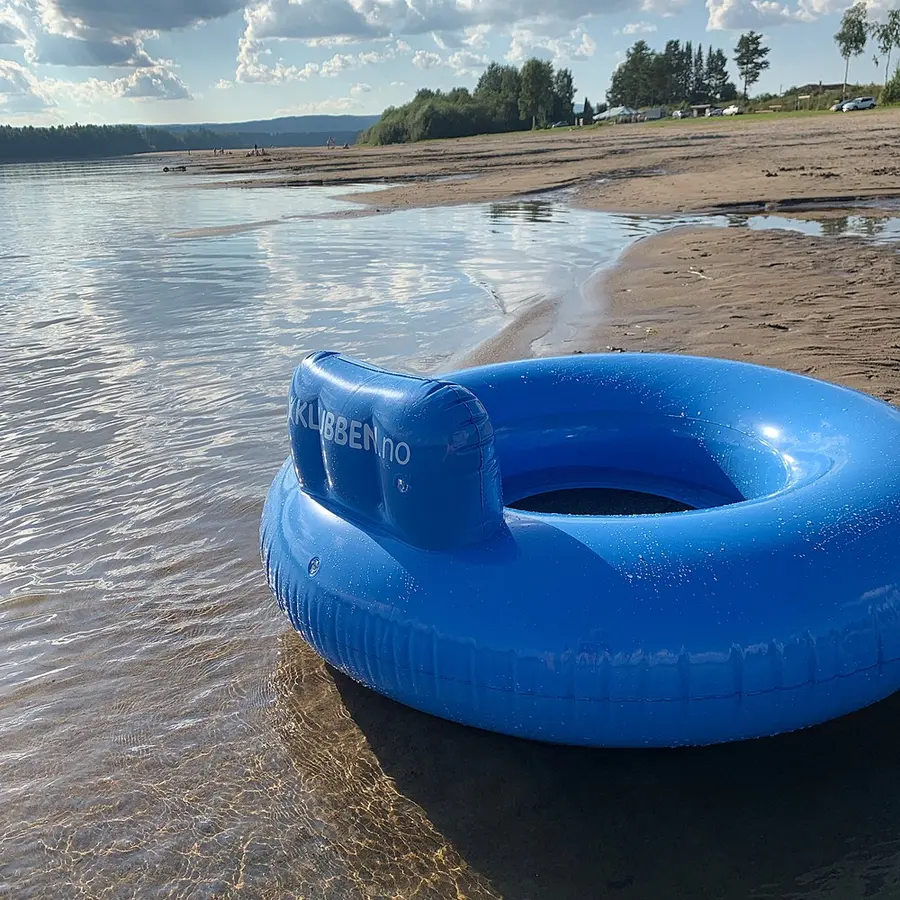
{"x": 505, "y": 99}
{"x": 854, "y": 34}
{"x": 99, "y": 141}
{"x": 681, "y": 75}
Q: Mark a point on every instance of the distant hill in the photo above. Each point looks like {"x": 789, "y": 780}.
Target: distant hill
{"x": 287, "y": 131}
{"x": 326, "y": 125}
{"x": 100, "y": 141}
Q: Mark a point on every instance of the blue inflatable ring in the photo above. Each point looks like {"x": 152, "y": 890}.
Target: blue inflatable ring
{"x": 771, "y": 604}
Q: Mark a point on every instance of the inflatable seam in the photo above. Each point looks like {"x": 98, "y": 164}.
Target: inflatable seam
{"x": 323, "y": 636}
{"x": 352, "y": 659}
{"x": 572, "y": 698}
{"x": 481, "y": 494}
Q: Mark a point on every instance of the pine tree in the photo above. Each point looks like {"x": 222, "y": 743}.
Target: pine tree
{"x": 750, "y": 56}
{"x": 588, "y": 114}
{"x": 717, "y": 82}
{"x": 699, "y": 90}
{"x": 686, "y": 71}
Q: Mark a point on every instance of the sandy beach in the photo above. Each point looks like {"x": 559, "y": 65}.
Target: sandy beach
{"x": 738, "y": 164}
{"x": 822, "y": 307}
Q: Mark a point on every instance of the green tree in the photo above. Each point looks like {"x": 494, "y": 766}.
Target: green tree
{"x": 536, "y": 92}
{"x": 563, "y": 95}
{"x": 498, "y": 89}
{"x": 750, "y": 57}
{"x": 672, "y": 57}
{"x": 658, "y": 79}
{"x": 891, "y": 92}
{"x": 686, "y": 71}
{"x": 631, "y": 82}
{"x": 699, "y": 90}
{"x": 588, "y": 113}
{"x": 851, "y": 39}
{"x": 887, "y": 36}
{"x": 716, "y": 73}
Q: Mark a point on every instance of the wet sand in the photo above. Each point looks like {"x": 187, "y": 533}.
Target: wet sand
{"x": 829, "y": 308}
{"x": 709, "y": 164}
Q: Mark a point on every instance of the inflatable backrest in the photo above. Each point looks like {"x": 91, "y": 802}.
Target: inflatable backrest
{"x": 407, "y": 456}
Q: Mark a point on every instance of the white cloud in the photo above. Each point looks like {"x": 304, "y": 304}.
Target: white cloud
{"x": 587, "y": 47}
{"x": 63, "y": 50}
{"x": 463, "y": 62}
{"x": 360, "y": 88}
{"x": 574, "y": 44}
{"x": 452, "y": 23}
{"x": 639, "y": 28}
{"x": 448, "y": 40}
{"x": 20, "y": 92}
{"x": 425, "y": 59}
{"x": 664, "y": 8}
{"x": 398, "y": 84}
{"x": 127, "y": 17}
{"x": 476, "y": 36}
{"x": 311, "y": 19}
{"x": 338, "y": 40}
{"x": 223, "y": 84}
{"x": 725, "y": 15}
{"x": 338, "y": 63}
{"x": 251, "y": 68}
{"x": 12, "y": 28}
{"x": 331, "y": 105}
{"x": 157, "y": 83}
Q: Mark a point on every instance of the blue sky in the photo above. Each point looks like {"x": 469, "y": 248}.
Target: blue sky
{"x": 157, "y": 61}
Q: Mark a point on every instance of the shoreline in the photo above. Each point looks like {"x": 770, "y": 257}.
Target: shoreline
{"x": 740, "y": 165}
{"x": 821, "y": 306}
{"x": 773, "y": 297}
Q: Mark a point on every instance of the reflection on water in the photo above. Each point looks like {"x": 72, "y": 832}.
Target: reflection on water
{"x": 162, "y": 732}
{"x": 880, "y": 227}
{"x": 526, "y": 210}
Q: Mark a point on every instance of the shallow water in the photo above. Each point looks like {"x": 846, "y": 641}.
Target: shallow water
{"x": 163, "y": 733}
{"x": 878, "y": 228}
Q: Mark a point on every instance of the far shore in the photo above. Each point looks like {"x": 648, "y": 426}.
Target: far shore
{"x": 742, "y": 164}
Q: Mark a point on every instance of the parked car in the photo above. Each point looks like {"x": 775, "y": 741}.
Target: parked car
{"x": 714, "y": 111}
{"x": 838, "y": 107}
{"x": 559, "y": 125}
{"x": 859, "y": 103}
{"x": 733, "y": 110}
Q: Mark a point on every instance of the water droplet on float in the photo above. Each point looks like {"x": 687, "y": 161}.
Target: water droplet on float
{"x": 402, "y": 486}
{"x": 313, "y": 566}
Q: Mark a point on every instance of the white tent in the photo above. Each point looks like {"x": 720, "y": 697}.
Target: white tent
{"x": 616, "y": 112}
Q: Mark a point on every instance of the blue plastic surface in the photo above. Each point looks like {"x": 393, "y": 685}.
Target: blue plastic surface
{"x": 771, "y": 606}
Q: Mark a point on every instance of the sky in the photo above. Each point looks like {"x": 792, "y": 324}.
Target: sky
{"x": 159, "y": 61}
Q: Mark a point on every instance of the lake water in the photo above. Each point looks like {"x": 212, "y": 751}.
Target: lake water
{"x": 163, "y": 733}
